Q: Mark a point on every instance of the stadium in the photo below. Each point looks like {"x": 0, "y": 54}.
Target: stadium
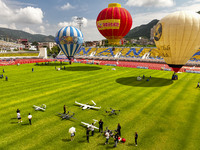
{"x": 161, "y": 110}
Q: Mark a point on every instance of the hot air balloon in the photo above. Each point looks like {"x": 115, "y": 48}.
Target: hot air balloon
{"x": 69, "y": 40}
{"x": 114, "y": 23}
{"x": 177, "y": 37}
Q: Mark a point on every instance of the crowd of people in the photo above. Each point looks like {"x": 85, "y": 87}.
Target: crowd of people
{"x": 2, "y": 76}
{"x": 115, "y": 134}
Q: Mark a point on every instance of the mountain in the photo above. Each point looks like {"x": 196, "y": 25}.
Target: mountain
{"x": 141, "y": 31}
{"x": 13, "y": 35}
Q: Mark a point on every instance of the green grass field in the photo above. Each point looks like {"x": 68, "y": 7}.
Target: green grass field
{"x": 165, "y": 113}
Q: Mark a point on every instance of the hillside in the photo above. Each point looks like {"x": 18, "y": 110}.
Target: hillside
{"x": 18, "y": 34}
{"x": 142, "y": 31}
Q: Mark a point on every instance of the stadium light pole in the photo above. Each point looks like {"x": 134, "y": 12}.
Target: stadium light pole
{"x": 79, "y": 21}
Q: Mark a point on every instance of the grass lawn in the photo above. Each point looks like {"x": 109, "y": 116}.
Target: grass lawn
{"x": 165, "y": 113}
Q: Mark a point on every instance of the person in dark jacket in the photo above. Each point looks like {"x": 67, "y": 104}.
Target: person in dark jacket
{"x": 119, "y": 129}
{"x": 101, "y": 126}
{"x": 64, "y": 108}
{"x": 87, "y": 134}
{"x": 136, "y": 137}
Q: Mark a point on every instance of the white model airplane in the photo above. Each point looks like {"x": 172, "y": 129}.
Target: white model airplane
{"x": 87, "y": 106}
{"x": 42, "y": 107}
{"x": 89, "y": 125}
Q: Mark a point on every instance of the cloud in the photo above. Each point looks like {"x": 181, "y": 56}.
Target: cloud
{"x": 42, "y": 29}
{"x": 150, "y": 3}
{"x": 67, "y": 6}
{"x": 144, "y": 18}
{"x": 29, "y": 15}
{"x": 11, "y": 26}
{"x": 90, "y": 32}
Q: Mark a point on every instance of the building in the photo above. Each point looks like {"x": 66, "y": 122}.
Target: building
{"x": 50, "y": 45}
{"x": 24, "y": 42}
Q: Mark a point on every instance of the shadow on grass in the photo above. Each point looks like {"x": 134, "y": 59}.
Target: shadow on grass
{"x": 82, "y": 68}
{"x": 13, "y": 122}
{"x": 25, "y": 124}
{"x": 66, "y": 140}
{"x": 153, "y": 82}
{"x": 52, "y": 64}
{"x": 101, "y": 144}
{"x": 110, "y": 146}
{"x": 14, "y": 118}
{"x": 131, "y": 144}
{"x": 82, "y": 141}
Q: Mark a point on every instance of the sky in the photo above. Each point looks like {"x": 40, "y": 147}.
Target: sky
{"x": 48, "y": 16}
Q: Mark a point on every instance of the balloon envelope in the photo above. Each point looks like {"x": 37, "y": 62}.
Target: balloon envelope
{"x": 177, "y": 37}
{"x": 114, "y": 23}
{"x": 69, "y": 40}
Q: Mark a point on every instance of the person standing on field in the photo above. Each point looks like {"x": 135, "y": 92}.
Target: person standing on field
{"x": 101, "y": 126}
{"x": 87, "y": 134}
{"x": 19, "y": 117}
{"x": 64, "y": 108}
{"x": 136, "y": 137}
{"x": 29, "y": 118}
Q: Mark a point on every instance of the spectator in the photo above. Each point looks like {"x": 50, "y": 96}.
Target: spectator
{"x": 92, "y": 129}
{"x": 87, "y": 134}
{"x": 136, "y": 137}
{"x": 29, "y": 118}
{"x": 72, "y": 136}
{"x": 19, "y": 117}
{"x": 119, "y": 129}
{"x": 107, "y": 136}
{"x": 116, "y": 139}
{"x": 198, "y": 85}
{"x": 64, "y": 108}
{"x": 101, "y": 126}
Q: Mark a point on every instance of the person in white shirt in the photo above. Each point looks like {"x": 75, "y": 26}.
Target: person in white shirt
{"x": 107, "y": 136}
{"x": 29, "y": 118}
{"x": 19, "y": 117}
{"x": 92, "y": 128}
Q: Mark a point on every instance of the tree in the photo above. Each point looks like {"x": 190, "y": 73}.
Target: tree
{"x": 54, "y": 51}
{"x": 34, "y": 43}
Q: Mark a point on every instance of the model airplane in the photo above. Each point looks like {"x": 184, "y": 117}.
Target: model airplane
{"x": 89, "y": 125}
{"x": 112, "y": 111}
{"x": 87, "y": 106}
{"x": 66, "y": 116}
{"x": 42, "y": 107}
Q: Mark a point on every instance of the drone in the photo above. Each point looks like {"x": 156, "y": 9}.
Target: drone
{"x": 42, "y": 107}
{"x": 113, "y": 111}
{"x": 66, "y": 116}
{"x": 87, "y": 106}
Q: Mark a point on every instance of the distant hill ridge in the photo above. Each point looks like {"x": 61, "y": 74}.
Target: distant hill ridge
{"x": 18, "y": 34}
{"x": 142, "y": 30}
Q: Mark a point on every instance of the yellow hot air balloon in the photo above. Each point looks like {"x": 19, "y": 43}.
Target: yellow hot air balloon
{"x": 177, "y": 37}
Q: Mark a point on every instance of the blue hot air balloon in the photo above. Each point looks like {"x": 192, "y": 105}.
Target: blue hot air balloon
{"x": 69, "y": 40}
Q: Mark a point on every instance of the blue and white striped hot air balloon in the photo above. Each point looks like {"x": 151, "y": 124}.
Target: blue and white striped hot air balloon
{"x": 69, "y": 40}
